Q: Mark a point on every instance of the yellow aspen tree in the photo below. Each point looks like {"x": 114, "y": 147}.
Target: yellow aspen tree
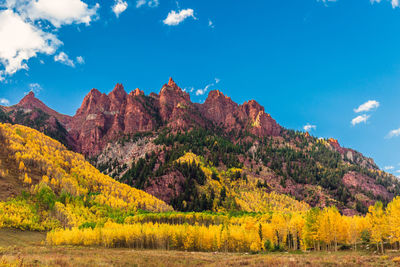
{"x": 378, "y": 224}
{"x": 310, "y": 232}
{"x": 21, "y": 166}
{"x": 393, "y": 220}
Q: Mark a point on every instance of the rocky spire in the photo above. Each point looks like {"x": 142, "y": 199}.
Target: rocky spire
{"x": 171, "y": 83}
{"x": 30, "y": 97}
{"x": 118, "y": 93}
{"x": 137, "y": 92}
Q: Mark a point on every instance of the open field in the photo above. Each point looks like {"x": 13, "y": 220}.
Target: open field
{"x": 19, "y": 248}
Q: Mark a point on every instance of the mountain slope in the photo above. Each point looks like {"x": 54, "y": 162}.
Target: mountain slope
{"x": 138, "y": 139}
{"x": 33, "y": 163}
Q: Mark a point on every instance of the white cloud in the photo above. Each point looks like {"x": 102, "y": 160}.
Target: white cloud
{"x": 149, "y": 3}
{"x": 308, "y": 127}
{"x": 367, "y": 106}
{"x": 175, "y": 18}
{"x": 189, "y": 89}
{"x": 20, "y": 41}
{"x": 57, "y": 12}
{"x": 4, "y": 102}
{"x": 64, "y": 59}
{"x": 359, "y": 119}
{"x": 205, "y": 89}
{"x": 26, "y": 29}
{"x": 80, "y": 60}
{"x": 211, "y": 24}
{"x": 393, "y": 133}
{"x": 119, "y": 7}
{"x": 389, "y": 168}
{"x": 395, "y": 3}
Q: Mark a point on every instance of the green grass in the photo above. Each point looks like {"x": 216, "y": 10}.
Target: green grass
{"x": 18, "y": 238}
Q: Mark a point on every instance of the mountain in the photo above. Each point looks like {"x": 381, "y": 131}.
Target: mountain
{"x": 238, "y": 154}
{"x": 103, "y": 118}
{"x": 33, "y": 113}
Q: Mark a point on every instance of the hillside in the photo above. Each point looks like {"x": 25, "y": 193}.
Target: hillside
{"x": 33, "y": 113}
{"x": 244, "y": 153}
{"x": 46, "y": 184}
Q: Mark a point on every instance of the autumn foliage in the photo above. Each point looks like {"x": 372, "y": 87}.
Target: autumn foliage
{"x": 61, "y": 184}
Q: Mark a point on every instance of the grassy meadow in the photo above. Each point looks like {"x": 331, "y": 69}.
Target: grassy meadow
{"x": 27, "y": 248}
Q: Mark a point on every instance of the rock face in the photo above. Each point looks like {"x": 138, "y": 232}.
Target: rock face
{"x": 221, "y": 110}
{"x": 262, "y": 124}
{"x": 352, "y": 155}
{"x": 356, "y": 181}
{"x": 103, "y": 118}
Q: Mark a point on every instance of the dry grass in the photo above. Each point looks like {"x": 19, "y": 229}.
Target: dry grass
{"x": 27, "y": 249}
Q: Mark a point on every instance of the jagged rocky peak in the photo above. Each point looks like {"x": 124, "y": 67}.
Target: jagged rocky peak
{"x": 252, "y": 108}
{"x": 175, "y": 88}
{"x": 28, "y": 98}
{"x": 136, "y": 92}
{"x": 118, "y": 94}
{"x": 220, "y": 109}
{"x": 92, "y": 101}
{"x": 30, "y": 102}
{"x": 219, "y": 96}
{"x": 171, "y": 83}
{"x": 175, "y": 95}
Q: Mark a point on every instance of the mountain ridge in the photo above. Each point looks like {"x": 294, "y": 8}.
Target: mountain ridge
{"x": 137, "y": 139}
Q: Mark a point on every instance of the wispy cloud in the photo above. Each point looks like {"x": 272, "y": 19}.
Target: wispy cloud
{"x": 395, "y": 3}
{"x": 175, "y": 18}
{"x": 64, "y": 59}
{"x": 367, "y": 106}
{"x": 325, "y": 2}
{"x": 4, "y": 102}
{"x": 34, "y": 87}
{"x": 80, "y": 60}
{"x": 211, "y": 24}
{"x": 205, "y": 89}
{"x": 393, "y": 133}
{"x": 189, "y": 89}
{"x": 360, "y": 119}
{"x": 308, "y": 127}
{"x": 119, "y": 7}
{"x": 149, "y": 3}
{"x": 389, "y": 168}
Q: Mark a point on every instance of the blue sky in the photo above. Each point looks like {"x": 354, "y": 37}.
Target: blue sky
{"x": 307, "y": 62}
